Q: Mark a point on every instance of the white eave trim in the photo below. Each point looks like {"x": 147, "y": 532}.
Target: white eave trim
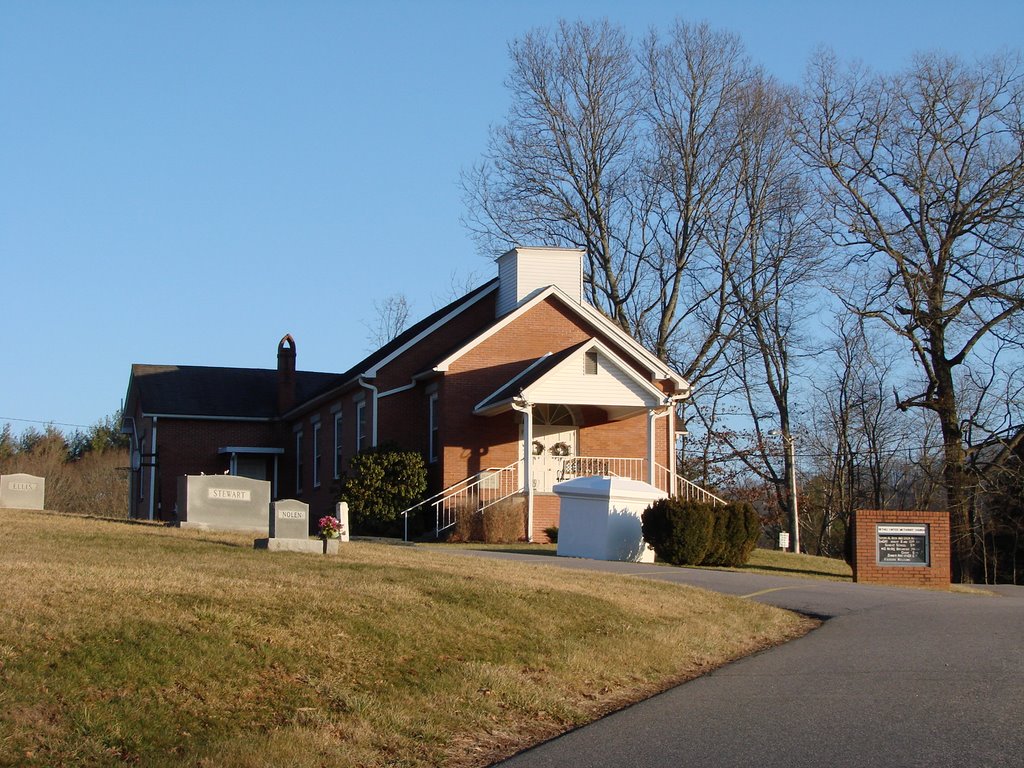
{"x": 521, "y": 374}
{"x": 655, "y": 365}
{"x": 206, "y": 418}
{"x": 371, "y": 373}
{"x": 246, "y": 449}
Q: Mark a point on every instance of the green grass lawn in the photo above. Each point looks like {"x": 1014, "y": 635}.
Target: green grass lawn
{"x": 141, "y": 645}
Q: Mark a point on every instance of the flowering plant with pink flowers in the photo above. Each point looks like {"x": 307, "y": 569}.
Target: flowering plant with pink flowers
{"x": 330, "y": 527}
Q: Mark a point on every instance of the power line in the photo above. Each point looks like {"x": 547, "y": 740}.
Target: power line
{"x": 48, "y": 423}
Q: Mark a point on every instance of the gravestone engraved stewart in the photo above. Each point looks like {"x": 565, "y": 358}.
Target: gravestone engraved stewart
{"x": 223, "y": 502}
{"x": 905, "y": 544}
{"x": 21, "y": 491}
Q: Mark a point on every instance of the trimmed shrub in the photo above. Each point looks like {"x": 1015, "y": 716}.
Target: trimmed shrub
{"x": 736, "y": 530}
{"x": 678, "y": 531}
{"x": 383, "y": 482}
{"x": 692, "y": 533}
{"x": 552, "y": 533}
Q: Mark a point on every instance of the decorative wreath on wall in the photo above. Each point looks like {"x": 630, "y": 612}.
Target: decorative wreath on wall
{"x": 538, "y": 448}
{"x": 560, "y": 449}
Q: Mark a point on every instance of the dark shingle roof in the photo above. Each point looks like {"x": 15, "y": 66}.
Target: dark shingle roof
{"x": 541, "y": 367}
{"x": 193, "y": 390}
{"x": 399, "y": 341}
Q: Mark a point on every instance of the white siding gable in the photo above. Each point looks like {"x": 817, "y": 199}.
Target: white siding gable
{"x": 522, "y": 271}
{"x": 612, "y": 385}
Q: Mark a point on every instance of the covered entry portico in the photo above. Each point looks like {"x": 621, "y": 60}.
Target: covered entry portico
{"x": 566, "y": 402}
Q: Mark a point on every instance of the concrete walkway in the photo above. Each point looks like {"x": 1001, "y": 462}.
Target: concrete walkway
{"x": 894, "y": 677}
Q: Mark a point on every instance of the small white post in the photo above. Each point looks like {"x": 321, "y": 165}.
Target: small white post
{"x": 341, "y": 512}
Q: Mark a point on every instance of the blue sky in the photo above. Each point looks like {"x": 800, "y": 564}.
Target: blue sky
{"x": 185, "y": 182}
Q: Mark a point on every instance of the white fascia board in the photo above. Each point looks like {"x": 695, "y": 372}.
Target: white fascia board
{"x": 206, "y": 418}
{"x": 371, "y": 373}
{"x": 589, "y": 314}
{"x": 521, "y": 374}
{"x": 249, "y": 449}
{"x": 656, "y": 365}
{"x": 619, "y": 363}
{"x": 527, "y": 304}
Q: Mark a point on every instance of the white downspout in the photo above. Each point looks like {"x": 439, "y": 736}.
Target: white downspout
{"x": 526, "y": 409}
{"x": 373, "y": 409}
{"x": 152, "y": 469}
{"x": 671, "y": 450}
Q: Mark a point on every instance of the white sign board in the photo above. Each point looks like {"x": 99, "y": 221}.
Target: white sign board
{"x": 783, "y": 540}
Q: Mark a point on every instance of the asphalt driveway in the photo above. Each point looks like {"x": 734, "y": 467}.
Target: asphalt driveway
{"x": 894, "y": 677}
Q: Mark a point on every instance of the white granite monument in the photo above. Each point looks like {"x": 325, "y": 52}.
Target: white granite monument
{"x": 21, "y": 491}
{"x": 223, "y": 502}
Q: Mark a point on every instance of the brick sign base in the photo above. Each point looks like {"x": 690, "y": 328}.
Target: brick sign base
{"x": 905, "y": 549}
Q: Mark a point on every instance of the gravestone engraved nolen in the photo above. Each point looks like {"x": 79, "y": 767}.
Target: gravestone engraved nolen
{"x": 21, "y": 491}
{"x": 223, "y": 502}
{"x": 289, "y": 530}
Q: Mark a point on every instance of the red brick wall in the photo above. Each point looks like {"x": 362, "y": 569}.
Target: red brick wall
{"x": 545, "y": 514}
{"x": 189, "y": 447}
{"x": 866, "y": 568}
{"x": 475, "y": 442}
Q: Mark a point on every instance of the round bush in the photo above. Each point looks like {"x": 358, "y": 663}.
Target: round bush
{"x": 382, "y": 483}
{"x": 679, "y": 532}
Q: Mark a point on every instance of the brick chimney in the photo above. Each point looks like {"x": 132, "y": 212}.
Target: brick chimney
{"x": 285, "y": 373}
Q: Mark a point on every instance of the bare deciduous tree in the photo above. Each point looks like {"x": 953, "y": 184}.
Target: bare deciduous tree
{"x": 623, "y": 151}
{"x": 924, "y": 174}
{"x": 392, "y": 318}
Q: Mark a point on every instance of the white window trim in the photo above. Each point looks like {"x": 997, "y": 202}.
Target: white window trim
{"x": 298, "y": 462}
{"x": 432, "y": 429}
{"x": 360, "y": 424}
{"x": 316, "y": 454}
{"x": 337, "y": 444}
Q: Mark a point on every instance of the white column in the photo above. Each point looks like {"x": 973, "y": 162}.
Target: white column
{"x": 528, "y": 467}
{"x": 651, "y": 452}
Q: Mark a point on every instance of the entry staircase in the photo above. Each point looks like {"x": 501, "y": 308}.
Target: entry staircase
{"x": 495, "y": 484}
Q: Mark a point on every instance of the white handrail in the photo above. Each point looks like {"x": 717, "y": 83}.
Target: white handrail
{"x": 489, "y": 486}
{"x": 684, "y": 488}
{"x": 486, "y": 487}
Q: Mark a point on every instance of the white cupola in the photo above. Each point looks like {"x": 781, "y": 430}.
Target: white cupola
{"x": 524, "y": 271}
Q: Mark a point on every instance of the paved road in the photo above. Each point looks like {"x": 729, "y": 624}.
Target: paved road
{"x": 894, "y": 677}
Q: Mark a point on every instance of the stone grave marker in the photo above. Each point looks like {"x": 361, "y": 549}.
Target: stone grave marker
{"x": 223, "y": 502}
{"x": 289, "y": 530}
{"x": 21, "y": 491}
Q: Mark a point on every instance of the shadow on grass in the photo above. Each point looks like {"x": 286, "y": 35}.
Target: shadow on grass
{"x": 793, "y": 572}
{"x": 546, "y": 550}
{"x": 514, "y": 550}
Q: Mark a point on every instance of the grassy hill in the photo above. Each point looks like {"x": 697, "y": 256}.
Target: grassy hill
{"x": 141, "y": 645}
